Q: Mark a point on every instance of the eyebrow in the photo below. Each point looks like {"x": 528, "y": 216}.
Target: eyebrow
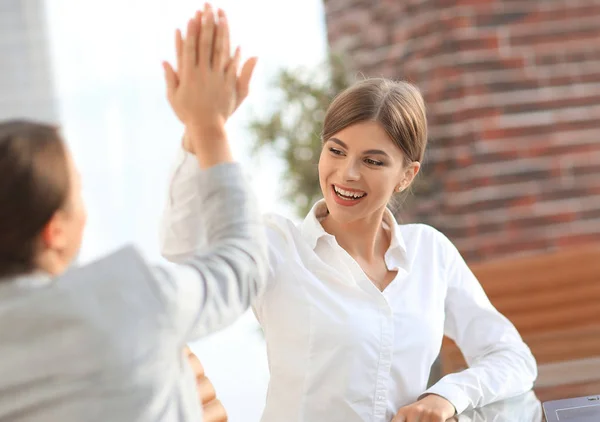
{"x": 367, "y": 152}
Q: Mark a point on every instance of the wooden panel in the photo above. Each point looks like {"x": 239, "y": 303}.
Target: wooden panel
{"x": 570, "y": 295}
{"x": 529, "y": 274}
{"x": 553, "y": 299}
{"x": 553, "y": 346}
{"x": 562, "y": 391}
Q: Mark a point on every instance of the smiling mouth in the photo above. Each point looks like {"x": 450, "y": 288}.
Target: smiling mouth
{"x": 347, "y": 194}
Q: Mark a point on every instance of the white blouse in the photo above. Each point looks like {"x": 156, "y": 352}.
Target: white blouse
{"x": 339, "y": 349}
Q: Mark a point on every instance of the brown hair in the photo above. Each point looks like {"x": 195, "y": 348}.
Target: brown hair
{"x": 34, "y": 184}
{"x": 397, "y": 106}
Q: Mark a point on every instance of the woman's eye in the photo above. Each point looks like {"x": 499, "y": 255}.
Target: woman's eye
{"x": 335, "y": 151}
{"x": 373, "y": 162}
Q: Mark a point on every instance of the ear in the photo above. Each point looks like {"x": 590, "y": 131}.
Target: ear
{"x": 409, "y": 175}
{"x": 53, "y": 234}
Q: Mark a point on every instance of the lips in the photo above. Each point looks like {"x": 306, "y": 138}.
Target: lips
{"x": 346, "y": 196}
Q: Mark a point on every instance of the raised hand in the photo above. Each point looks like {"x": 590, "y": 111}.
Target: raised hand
{"x": 220, "y": 55}
{"x": 245, "y": 75}
{"x": 203, "y": 92}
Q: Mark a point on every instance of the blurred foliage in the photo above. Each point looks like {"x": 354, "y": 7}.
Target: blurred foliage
{"x": 293, "y": 128}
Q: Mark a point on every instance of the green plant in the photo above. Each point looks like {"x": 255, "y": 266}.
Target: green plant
{"x": 292, "y": 130}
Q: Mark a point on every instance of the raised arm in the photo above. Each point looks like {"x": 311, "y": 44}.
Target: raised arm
{"x": 180, "y": 231}
{"x": 217, "y": 284}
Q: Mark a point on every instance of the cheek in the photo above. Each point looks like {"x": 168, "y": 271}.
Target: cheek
{"x": 80, "y": 215}
{"x": 382, "y": 186}
{"x": 322, "y": 168}
{"x": 84, "y": 216}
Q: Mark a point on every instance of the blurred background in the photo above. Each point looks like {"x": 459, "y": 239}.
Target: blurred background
{"x": 513, "y": 168}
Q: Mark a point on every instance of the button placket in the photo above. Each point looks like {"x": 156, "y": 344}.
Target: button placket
{"x": 385, "y": 362}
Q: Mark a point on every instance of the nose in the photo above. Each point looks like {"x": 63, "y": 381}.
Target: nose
{"x": 350, "y": 170}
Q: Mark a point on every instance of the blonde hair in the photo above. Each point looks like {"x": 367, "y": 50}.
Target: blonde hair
{"x": 397, "y": 106}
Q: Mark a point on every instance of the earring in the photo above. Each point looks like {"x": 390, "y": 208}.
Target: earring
{"x": 399, "y": 189}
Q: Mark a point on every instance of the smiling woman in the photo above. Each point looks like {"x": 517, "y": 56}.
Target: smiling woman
{"x": 374, "y": 136}
{"x": 356, "y": 305}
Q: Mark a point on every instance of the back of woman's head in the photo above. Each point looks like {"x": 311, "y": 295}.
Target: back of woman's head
{"x": 34, "y": 184}
{"x": 397, "y": 106}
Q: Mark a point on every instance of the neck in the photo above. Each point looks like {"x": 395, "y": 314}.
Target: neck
{"x": 363, "y": 238}
{"x": 50, "y": 263}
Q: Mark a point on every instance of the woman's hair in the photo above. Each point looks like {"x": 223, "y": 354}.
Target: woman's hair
{"x": 397, "y": 106}
{"x": 34, "y": 184}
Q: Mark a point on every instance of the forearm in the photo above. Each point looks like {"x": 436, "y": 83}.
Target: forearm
{"x": 234, "y": 270}
{"x": 181, "y": 227}
{"x": 209, "y": 144}
{"x": 503, "y": 373}
{"x": 231, "y": 270}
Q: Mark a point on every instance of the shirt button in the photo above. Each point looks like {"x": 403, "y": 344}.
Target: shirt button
{"x": 380, "y": 398}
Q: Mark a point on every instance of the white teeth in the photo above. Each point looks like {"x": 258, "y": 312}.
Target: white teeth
{"x": 348, "y": 194}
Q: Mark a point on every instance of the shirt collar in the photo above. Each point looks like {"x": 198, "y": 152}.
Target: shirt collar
{"x": 36, "y": 278}
{"x": 396, "y": 256}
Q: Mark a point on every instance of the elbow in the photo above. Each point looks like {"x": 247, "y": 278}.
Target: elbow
{"x": 172, "y": 256}
{"x": 174, "y": 250}
{"x": 164, "y": 247}
{"x": 524, "y": 369}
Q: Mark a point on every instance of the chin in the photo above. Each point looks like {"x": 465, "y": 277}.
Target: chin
{"x": 343, "y": 214}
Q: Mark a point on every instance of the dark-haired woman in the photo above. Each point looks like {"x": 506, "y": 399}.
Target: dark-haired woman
{"x": 104, "y": 342}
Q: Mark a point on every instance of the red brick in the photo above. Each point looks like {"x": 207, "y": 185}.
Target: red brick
{"x": 513, "y": 92}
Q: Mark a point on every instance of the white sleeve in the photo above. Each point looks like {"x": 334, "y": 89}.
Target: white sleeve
{"x": 500, "y": 363}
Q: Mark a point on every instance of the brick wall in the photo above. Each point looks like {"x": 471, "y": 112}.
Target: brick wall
{"x": 513, "y": 94}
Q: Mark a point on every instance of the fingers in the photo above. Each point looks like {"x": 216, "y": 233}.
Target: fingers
{"x": 232, "y": 69}
{"x": 196, "y": 366}
{"x": 179, "y": 49}
{"x": 214, "y": 412}
{"x": 243, "y": 82}
{"x": 420, "y": 416}
{"x": 170, "y": 79}
{"x": 206, "y": 390}
{"x": 206, "y": 38}
{"x": 220, "y": 54}
{"x": 190, "y": 48}
{"x": 226, "y": 40}
{"x": 198, "y": 18}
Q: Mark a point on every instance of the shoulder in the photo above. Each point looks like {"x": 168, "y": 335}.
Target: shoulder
{"x": 423, "y": 234}
{"x": 124, "y": 262}
{"x": 423, "y": 240}
{"x": 124, "y": 269}
{"x": 280, "y": 229}
{"x": 277, "y": 221}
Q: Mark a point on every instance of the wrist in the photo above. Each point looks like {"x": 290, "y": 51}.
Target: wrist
{"x": 440, "y": 401}
{"x": 207, "y": 132}
{"x": 214, "y": 156}
{"x": 209, "y": 145}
